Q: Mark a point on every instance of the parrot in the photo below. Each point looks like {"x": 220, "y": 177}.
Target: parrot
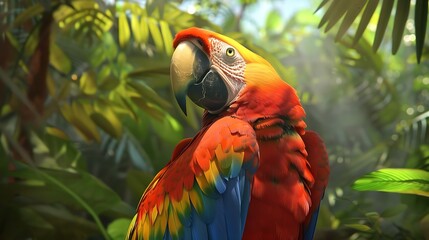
{"x": 253, "y": 171}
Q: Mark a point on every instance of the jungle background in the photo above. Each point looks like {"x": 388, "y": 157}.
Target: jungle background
{"x": 87, "y": 115}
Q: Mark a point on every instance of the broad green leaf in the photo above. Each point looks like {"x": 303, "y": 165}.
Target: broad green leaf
{"x": 420, "y": 21}
{"x": 156, "y": 34}
{"x": 117, "y": 229}
{"x": 88, "y": 83}
{"x": 386, "y": 9}
{"x": 401, "y": 17}
{"x": 66, "y": 187}
{"x": 398, "y": 180}
{"x": 58, "y": 59}
{"x": 124, "y": 29}
{"x": 339, "y": 9}
{"x": 370, "y": 8}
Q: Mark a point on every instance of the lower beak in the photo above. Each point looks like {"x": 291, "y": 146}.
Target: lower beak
{"x": 192, "y": 76}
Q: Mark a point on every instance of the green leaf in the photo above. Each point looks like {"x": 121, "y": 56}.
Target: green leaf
{"x": 56, "y": 132}
{"x": 398, "y": 180}
{"x": 59, "y": 59}
{"x": 28, "y": 13}
{"x": 386, "y": 9}
{"x": 339, "y": 9}
{"x": 167, "y": 37}
{"x": 124, "y": 29}
{"x": 366, "y": 17}
{"x": 88, "y": 83}
{"x": 401, "y": 17}
{"x": 148, "y": 94}
{"x": 323, "y": 3}
{"x": 359, "y": 227}
{"x": 355, "y": 7}
{"x": 144, "y": 28}
{"x": 393, "y": 211}
{"x": 106, "y": 118}
{"x": 135, "y": 27}
{"x": 63, "y": 186}
{"x": 117, "y": 229}
{"x": 274, "y": 21}
{"x": 76, "y": 115}
{"x": 421, "y": 16}
{"x": 156, "y": 34}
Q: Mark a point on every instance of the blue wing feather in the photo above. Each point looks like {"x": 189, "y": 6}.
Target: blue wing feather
{"x": 311, "y": 228}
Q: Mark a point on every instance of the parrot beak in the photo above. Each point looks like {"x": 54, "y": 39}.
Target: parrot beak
{"x": 192, "y": 76}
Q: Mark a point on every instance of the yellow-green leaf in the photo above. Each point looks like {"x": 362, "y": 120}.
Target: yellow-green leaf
{"x": 29, "y": 13}
{"x": 88, "y": 84}
{"x": 398, "y": 180}
{"x": 135, "y": 27}
{"x": 124, "y": 29}
{"x": 156, "y": 34}
{"x": 56, "y": 132}
{"x": 76, "y": 115}
{"x": 144, "y": 28}
{"x": 167, "y": 37}
{"x": 59, "y": 59}
{"x": 106, "y": 119}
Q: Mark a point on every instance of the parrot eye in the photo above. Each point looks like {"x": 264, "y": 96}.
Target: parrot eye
{"x": 230, "y": 52}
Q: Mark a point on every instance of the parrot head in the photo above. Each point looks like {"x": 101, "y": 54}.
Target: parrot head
{"x": 209, "y": 68}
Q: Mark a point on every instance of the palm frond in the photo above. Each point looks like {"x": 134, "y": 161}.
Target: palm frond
{"x": 348, "y": 12}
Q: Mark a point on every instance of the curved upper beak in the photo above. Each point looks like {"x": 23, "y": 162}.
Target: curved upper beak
{"x": 188, "y": 65}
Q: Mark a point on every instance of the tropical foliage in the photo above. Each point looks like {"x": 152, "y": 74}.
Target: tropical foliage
{"x": 87, "y": 116}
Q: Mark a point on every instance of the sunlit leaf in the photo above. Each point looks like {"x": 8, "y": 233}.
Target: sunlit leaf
{"x": 167, "y": 37}
{"x": 156, "y": 34}
{"x": 58, "y": 59}
{"x": 105, "y": 118}
{"x": 76, "y": 115}
{"x": 135, "y": 27}
{"x": 56, "y": 132}
{"x": 116, "y": 228}
{"x": 88, "y": 83}
{"x": 124, "y": 29}
{"x": 409, "y": 181}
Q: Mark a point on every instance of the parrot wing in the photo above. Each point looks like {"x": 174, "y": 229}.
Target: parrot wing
{"x": 319, "y": 163}
{"x": 204, "y": 191}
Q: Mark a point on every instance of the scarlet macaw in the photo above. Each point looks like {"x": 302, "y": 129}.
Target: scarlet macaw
{"x": 252, "y": 171}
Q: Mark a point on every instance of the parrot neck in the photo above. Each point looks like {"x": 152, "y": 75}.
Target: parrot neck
{"x": 270, "y": 101}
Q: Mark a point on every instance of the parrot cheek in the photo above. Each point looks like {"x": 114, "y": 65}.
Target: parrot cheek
{"x": 209, "y": 92}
